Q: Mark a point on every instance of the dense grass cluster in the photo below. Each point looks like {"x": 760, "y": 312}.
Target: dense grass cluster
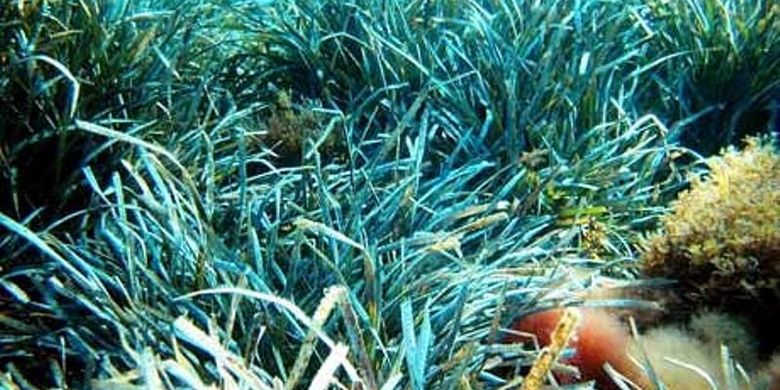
{"x": 285, "y": 194}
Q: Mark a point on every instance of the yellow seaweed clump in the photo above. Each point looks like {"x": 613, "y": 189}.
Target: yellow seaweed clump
{"x": 722, "y": 239}
{"x": 289, "y": 128}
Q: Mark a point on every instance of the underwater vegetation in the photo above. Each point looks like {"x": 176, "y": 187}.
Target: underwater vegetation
{"x": 723, "y": 93}
{"x": 369, "y": 194}
{"x": 723, "y": 234}
{"x": 722, "y": 237}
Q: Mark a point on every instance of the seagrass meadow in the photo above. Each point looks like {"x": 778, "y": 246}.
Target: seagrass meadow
{"x": 366, "y": 194}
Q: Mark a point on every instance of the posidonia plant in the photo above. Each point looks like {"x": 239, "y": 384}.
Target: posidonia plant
{"x": 288, "y": 194}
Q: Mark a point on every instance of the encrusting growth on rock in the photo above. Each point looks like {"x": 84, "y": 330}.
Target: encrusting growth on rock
{"x": 722, "y": 238}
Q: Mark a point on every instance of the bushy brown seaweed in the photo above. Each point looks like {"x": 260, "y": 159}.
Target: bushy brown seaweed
{"x": 722, "y": 239}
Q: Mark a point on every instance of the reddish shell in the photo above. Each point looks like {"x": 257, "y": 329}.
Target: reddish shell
{"x": 600, "y": 338}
